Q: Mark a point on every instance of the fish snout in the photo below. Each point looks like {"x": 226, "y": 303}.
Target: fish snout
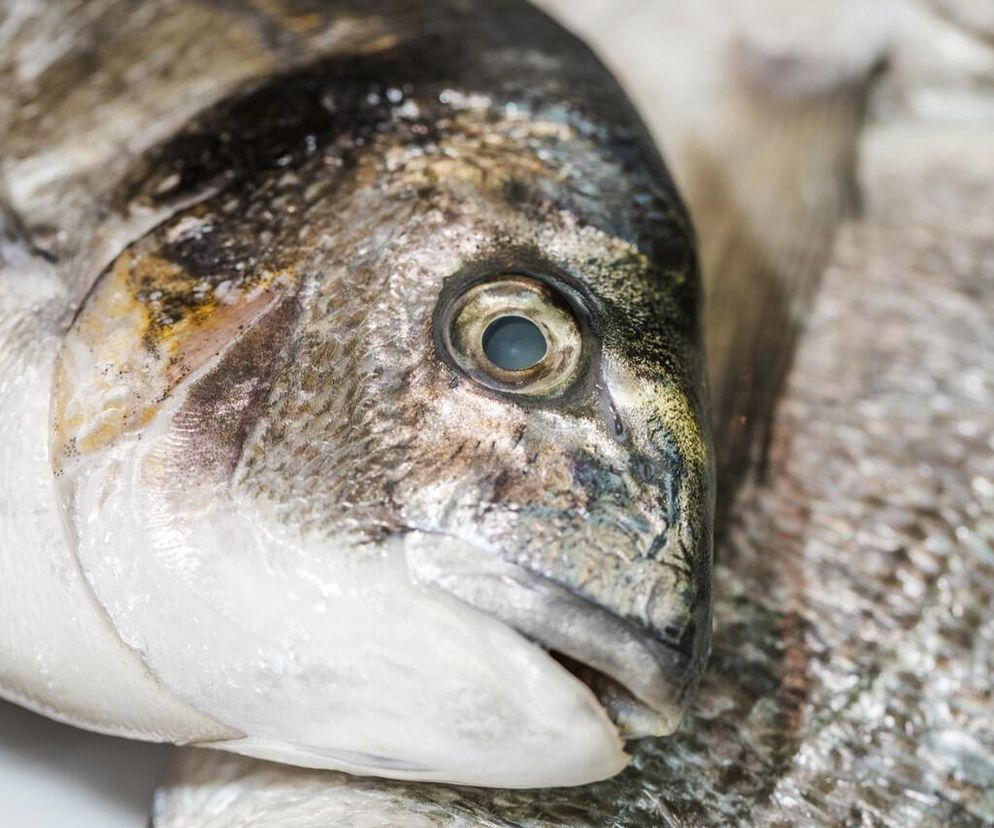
{"x": 643, "y": 681}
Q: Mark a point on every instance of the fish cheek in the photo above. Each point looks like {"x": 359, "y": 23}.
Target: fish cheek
{"x": 119, "y": 371}
{"x": 223, "y": 405}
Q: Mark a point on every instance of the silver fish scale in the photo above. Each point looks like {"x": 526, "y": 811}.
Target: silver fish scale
{"x": 884, "y": 457}
{"x": 852, "y": 669}
{"x": 853, "y": 661}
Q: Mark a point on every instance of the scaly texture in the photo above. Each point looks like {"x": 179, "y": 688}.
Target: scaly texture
{"x": 850, "y": 681}
{"x": 292, "y": 504}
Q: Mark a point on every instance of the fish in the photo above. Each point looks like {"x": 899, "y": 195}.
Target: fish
{"x": 850, "y": 677}
{"x": 354, "y": 413}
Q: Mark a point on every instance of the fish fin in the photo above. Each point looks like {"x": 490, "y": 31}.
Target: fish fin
{"x": 768, "y": 202}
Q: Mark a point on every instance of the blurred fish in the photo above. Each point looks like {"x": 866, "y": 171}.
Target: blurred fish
{"x": 368, "y": 339}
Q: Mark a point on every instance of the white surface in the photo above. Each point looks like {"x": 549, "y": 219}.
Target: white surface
{"x": 55, "y": 776}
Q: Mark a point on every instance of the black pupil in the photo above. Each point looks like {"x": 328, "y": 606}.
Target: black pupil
{"x": 513, "y": 343}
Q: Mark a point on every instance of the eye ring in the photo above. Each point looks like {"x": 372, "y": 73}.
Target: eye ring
{"x": 542, "y": 351}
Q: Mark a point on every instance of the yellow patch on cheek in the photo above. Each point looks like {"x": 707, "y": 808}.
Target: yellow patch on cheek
{"x": 95, "y": 396}
{"x": 147, "y": 326}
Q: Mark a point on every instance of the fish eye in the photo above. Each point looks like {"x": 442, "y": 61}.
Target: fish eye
{"x": 514, "y": 334}
{"x": 514, "y": 343}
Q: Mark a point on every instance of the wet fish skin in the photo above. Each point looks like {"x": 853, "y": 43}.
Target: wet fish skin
{"x": 252, "y": 404}
{"x": 850, "y": 681}
{"x": 850, "y": 678}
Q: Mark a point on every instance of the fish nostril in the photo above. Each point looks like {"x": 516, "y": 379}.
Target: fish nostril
{"x": 514, "y": 343}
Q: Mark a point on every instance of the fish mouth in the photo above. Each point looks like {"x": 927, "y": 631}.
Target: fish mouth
{"x": 641, "y": 683}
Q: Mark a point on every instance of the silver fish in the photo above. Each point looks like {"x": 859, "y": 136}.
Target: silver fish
{"x": 854, "y": 650}
{"x": 356, "y": 415}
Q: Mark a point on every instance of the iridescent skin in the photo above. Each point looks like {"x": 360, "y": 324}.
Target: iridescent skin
{"x": 851, "y": 675}
{"x": 262, "y": 370}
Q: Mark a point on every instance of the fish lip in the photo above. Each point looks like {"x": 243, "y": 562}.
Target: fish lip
{"x": 658, "y": 676}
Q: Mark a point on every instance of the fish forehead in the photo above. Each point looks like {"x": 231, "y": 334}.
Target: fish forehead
{"x": 305, "y": 172}
{"x": 565, "y": 149}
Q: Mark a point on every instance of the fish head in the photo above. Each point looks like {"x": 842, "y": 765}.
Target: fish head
{"x": 392, "y": 454}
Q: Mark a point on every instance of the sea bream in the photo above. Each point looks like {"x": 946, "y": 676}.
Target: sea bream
{"x": 853, "y": 658}
{"x": 853, "y": 655}
{"x": 353, "y": 408}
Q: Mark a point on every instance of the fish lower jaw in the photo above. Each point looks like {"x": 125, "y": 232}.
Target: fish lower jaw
{"x": 637, "y": 681}
{"x": 640, "y": 682}
{"x": 633, "y": 718}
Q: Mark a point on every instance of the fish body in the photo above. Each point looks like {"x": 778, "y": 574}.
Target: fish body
{"x": 290, "y": 479}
